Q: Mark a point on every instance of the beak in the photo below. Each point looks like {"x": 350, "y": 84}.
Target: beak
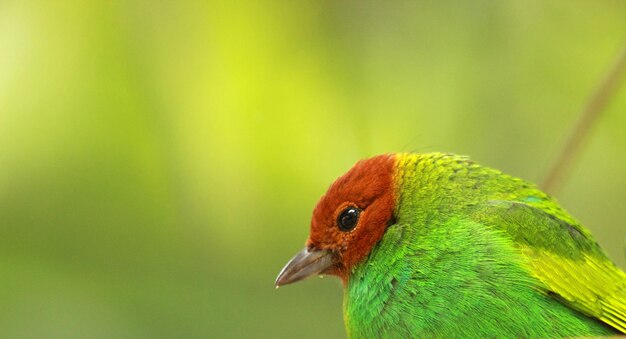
{"x": 305, "y": 264}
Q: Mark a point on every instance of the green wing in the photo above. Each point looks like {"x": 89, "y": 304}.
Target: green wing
{"x": 563, "y": 255}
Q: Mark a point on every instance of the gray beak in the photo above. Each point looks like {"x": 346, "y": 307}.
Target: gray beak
{"x": 305, "y": 264}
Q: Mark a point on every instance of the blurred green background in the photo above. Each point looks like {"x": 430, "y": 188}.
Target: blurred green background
{"x": 159, "y": 160}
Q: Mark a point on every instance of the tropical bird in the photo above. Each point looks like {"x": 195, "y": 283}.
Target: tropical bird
{"x": 435, "y": 245}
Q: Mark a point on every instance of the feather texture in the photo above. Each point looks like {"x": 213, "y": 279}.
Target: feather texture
{"x": 475, "y": 252}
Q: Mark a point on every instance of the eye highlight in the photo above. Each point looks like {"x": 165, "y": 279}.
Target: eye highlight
{"x": 348, "y": 218}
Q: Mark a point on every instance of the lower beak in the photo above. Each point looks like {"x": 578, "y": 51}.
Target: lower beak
{"x": 305, "y": 264}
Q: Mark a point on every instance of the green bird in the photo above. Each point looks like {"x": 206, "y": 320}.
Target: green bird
{"x": 435, "y": 245}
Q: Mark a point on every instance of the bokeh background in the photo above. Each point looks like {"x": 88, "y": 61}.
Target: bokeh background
{"x": 159, "y": 160}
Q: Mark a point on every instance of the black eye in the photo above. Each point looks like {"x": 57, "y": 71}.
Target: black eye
{"x": 348, "y": 219}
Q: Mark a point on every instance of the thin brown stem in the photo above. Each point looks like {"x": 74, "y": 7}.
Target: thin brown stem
{"x": 589, "y": 115}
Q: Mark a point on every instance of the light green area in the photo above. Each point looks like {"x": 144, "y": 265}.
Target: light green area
{"x": 159, "y": 160}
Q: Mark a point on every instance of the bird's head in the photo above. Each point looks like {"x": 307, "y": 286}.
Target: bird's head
{"x": 347, "y": 222}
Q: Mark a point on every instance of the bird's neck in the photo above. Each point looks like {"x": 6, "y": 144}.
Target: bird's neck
{"x": 409, "y": 285}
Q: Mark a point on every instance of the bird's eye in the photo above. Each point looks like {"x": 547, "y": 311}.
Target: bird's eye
{"x": 348, "y": 218}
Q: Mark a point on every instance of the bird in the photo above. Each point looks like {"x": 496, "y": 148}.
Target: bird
{"x": 436, "y": 245}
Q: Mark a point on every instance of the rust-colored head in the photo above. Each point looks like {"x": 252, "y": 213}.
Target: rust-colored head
{"x": 347, "y": 222}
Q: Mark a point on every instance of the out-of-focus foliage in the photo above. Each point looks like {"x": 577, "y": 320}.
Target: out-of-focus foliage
{"x": 159, "y": 159}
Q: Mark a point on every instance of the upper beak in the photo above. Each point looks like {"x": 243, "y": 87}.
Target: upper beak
{"x": 305, "y": 264}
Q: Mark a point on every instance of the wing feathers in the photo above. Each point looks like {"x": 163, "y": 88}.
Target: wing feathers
{"x": 575, "y": 269}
